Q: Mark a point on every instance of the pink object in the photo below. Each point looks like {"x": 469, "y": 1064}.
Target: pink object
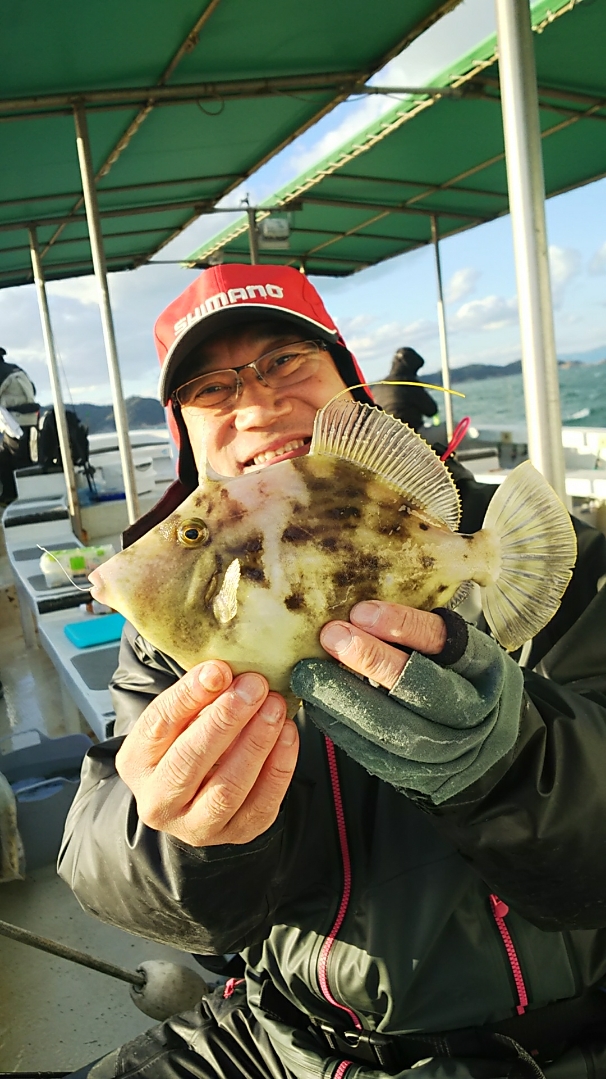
{"x": 230, "y": 986}
{"x": 332, "y": 936}
{"x": 457, "y": 436}
{"x": 499, "y": 911}
{"x": 340, "y": 1071}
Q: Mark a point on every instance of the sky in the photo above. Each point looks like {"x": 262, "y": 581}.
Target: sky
{"x": 377, "y": 310}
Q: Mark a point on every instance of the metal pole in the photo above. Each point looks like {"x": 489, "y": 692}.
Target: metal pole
{"x": 98, "y": 256}
{"x": 253, "y": 238}
{"x": 526, "y": 184}
{"x": 442, "y": 328}
{"x": 73, "y": 504}
{"x": 44, "y": 944}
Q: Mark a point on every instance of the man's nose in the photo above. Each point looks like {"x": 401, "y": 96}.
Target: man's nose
{"x": 257, "y": 399}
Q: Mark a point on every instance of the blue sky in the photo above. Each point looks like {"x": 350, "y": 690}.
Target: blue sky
{"x": 379, "y": 309}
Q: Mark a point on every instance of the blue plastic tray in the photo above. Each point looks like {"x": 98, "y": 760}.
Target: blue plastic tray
{"x": 101, "y": 629}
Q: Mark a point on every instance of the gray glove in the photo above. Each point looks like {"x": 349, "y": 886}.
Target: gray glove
{"x": 437, "y": 731}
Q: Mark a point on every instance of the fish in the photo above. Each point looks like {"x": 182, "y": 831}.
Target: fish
{"x": 248, "y": 569}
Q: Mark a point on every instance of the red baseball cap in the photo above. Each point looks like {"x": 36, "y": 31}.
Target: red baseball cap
{"x": 222, "y": 296}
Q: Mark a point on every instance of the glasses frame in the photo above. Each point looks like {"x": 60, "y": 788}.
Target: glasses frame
{"x": 321, "y": 345}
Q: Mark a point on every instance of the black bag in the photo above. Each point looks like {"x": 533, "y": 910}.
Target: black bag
{"x": 49, "y": 453}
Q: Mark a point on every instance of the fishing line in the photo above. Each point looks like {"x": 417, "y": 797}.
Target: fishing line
{"x": 81, "y": 587}
{"x": 385, "y": 382}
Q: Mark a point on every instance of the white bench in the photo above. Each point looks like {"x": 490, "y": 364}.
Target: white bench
{"x": 84, "y": 672}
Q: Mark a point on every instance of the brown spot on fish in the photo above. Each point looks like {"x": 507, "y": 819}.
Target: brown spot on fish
{"x": 253, "y": 573}
{"x": 345, "y": 576}
{"x": 295, "y": 534}
{"x": 329, "y": 543}
{"x": 427, "y": 561}
{"x": 343, "y": 512}
{"x": 424, "y": 527}
{"x": 295, "y": 601}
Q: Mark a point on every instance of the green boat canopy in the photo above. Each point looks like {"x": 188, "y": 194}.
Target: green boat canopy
{"x": 443, "y": 156}
{"x": 183, "y": 100}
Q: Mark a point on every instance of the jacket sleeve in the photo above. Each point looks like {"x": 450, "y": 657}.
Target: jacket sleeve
{"x": 534, "y": 826}
{"x": 207, "y": 900}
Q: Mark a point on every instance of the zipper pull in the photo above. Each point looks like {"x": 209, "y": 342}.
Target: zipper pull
{"x": 499, "y": 908}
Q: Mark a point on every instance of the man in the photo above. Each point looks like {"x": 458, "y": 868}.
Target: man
{"x": 407, "y": 403}
{"x": 18, "y": 397}
{"x": 433, "y": 905}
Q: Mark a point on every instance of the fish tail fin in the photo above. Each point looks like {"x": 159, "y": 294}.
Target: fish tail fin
{"x": 537, "y": 554}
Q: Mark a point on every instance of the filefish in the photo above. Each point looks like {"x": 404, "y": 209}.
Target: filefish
{"x": 248, "y": 569}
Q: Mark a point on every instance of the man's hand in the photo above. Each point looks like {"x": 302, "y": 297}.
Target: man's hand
{"x": 210, "y": 759}
{"x": 363, "y": 643}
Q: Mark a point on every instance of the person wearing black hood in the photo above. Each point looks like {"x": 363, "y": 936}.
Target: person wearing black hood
{"x": 411, "y": 869}
{"x": 407, "y": 403}
{"x": 18, "y": 397}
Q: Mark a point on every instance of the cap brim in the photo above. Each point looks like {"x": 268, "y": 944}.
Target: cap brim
{"x": 227, "y": 317}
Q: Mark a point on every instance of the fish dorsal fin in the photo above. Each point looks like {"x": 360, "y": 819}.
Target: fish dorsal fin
{"x": 370, "y": 438}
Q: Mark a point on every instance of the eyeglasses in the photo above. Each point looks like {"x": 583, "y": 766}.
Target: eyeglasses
{"x": 282, "y": 367}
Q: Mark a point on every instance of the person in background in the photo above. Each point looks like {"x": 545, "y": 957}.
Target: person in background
{"x": 407, "y": 403}
{"x": 18, "y": 397}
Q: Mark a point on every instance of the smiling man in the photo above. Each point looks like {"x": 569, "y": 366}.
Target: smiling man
{"x": 409, "y": 869}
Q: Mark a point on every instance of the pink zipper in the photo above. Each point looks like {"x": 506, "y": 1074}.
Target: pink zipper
{"x": 332, "y": 936}
{"x": 341, "y": 1069}
{"x": 499, "y": 911}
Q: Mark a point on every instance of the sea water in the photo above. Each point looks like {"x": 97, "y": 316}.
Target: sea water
{"x": 501, "y": 400}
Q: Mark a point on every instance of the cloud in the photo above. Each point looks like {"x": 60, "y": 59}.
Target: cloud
{"x": 489, "y": 313}
{"x": 374, "y": 345}
{"x": 597, "y": 262}
{"x": 81, "y": 289}
{"x": 461, "y": 284}
{"x": 564, "y": 264}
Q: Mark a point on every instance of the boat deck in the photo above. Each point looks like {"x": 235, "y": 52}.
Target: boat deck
{"x": 54, "y": 1015}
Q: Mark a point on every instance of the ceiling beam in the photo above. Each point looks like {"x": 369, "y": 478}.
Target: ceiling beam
{"x": 122, "y": 189}
{"x": 391, "y": 208}
{"x": 190, "y": 41}
{"x": 428, "y": 187}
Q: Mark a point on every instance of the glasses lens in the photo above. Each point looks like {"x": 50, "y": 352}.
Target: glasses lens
{"x": 208, "y": 391}
{"x": 290, "y": 364}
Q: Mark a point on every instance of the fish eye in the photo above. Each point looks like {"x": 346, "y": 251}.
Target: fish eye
{"x": 193, "y": 533}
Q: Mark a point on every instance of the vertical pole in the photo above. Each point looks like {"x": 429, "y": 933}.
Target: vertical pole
{"x": 526, "y": 184}
{"x": 51, "y": 358}
{"x": 253, "y": 238}
{"x": 442, "y": 329}
{"x": 98, "y": 255}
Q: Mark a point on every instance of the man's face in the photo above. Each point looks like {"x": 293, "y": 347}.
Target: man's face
{"x": 263, "y": 425}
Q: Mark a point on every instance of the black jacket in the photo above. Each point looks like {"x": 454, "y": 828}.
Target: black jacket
{"x": 420, "y": 948}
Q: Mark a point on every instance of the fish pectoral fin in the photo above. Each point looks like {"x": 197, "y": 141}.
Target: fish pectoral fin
{"x": 225, "y": 603}
{"x": 370, "y": 438}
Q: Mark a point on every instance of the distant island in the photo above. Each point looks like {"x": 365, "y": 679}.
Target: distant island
{"x": 141, "y": 412}
{"x": 476, "y": 372}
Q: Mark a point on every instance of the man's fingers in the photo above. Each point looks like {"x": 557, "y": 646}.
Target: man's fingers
{"x": 172, "y": 711}
{"x": 223, "y": 795}
{"x": 262, "y": 805}
{"x": 421, "y": 631}
{"x": 363, "y": 653}
{"x": 186, "y": 763}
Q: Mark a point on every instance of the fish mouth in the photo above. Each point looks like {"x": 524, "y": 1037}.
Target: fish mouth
{"x": 295, "y": 447}
{"x": 96, "y": 581}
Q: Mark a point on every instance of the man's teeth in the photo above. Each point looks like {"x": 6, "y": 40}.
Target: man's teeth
{"x": 262, "y": 458}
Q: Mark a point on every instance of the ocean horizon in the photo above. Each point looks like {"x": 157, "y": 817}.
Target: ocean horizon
{"x": 501, "y": 400}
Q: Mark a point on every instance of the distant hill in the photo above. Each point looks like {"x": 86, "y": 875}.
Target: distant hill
{"x": 474, "y": 372}
{"x": 141, "y": 412}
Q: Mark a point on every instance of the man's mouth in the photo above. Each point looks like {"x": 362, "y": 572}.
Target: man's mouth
{"x": 294, "y": 448}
